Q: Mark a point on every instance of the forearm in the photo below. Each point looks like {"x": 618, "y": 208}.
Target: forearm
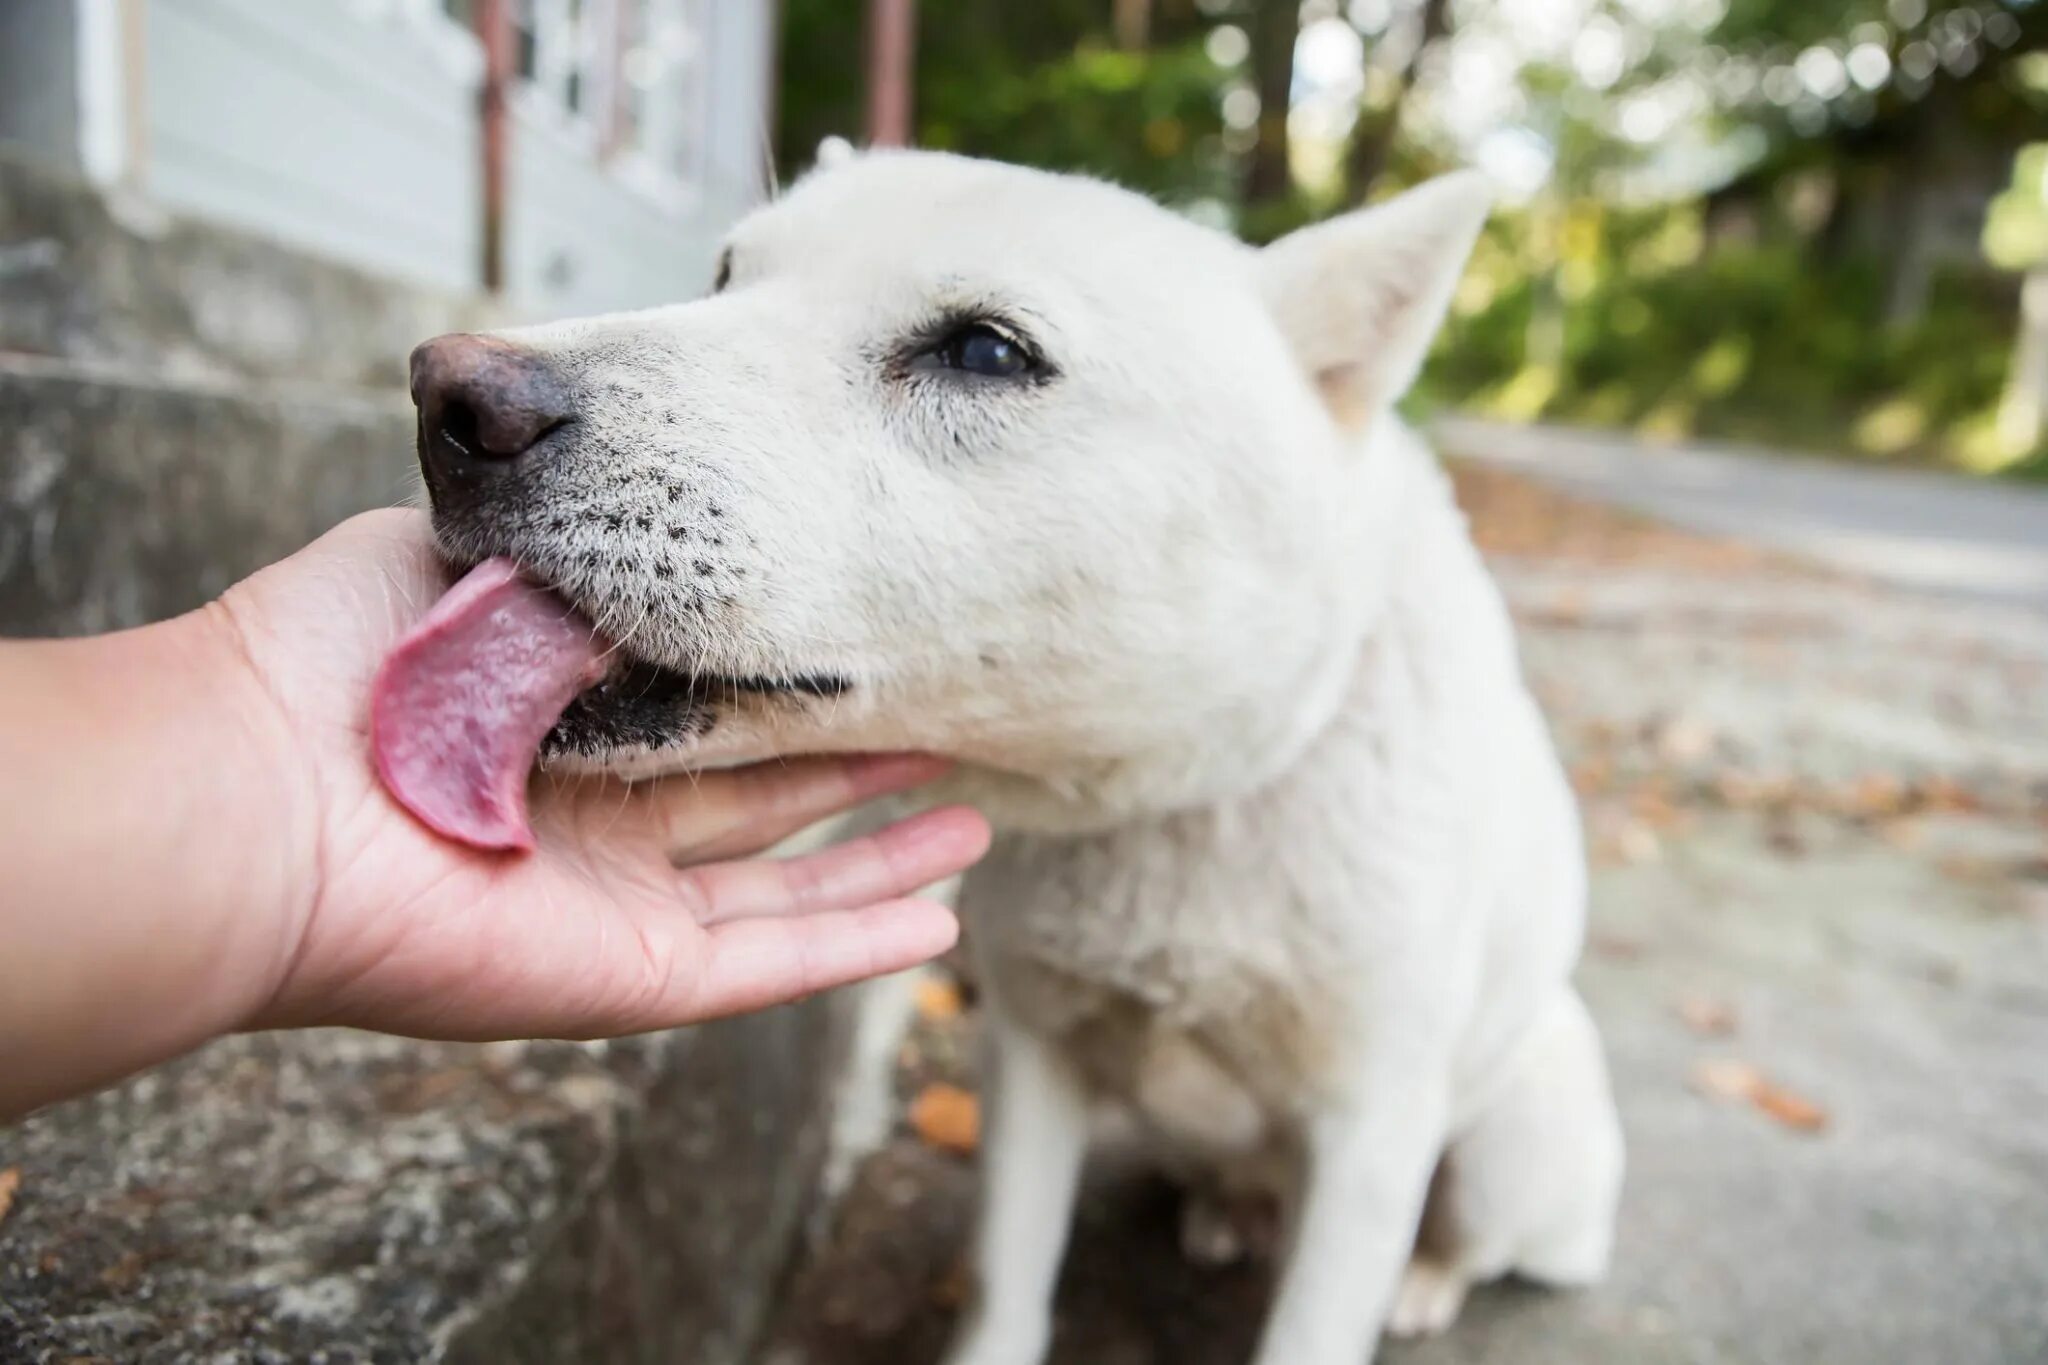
{"x": 148, "y": 852}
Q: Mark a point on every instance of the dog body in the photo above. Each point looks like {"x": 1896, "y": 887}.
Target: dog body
{"x": 1025, "y": 470}
{"x": 1328, "y": 988}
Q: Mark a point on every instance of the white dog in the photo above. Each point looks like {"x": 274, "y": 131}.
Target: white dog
{"x": 1026, "y": 470}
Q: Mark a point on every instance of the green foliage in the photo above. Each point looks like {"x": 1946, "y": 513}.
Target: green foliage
{"x": 1751, "y": 343}
{"x": 1040, "y": 83}
{"x": 1147, "y": 120}
{"x": 1577, "y": 309}
{"x": 2016, "y": 229}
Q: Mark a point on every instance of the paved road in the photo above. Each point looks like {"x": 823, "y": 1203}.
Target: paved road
{"x": 1814, "y": 809}
{"x": 1924, "y": 530}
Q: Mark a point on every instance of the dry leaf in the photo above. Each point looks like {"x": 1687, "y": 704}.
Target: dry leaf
{"x": 1794, "y": 1111}
{"x": 1707, "y": 1017}
{"x": 10, "y": 1181}
{"x": 1877, "y": 795}
{"x": 1726, "y": 1079}
{"x": 947, "y": 1118}
{"x": 938, "y": 999}
{"x": 1592, "y": 775}
{"x": 1947, "y": 795}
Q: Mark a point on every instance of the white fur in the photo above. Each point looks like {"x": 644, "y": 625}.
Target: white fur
{"x": 1287, "y": 864}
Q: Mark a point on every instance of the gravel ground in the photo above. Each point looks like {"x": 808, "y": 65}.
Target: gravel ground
{"x": 1818, "y": 816}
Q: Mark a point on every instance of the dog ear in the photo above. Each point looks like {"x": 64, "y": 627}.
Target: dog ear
{"x": 1360, "y": 297}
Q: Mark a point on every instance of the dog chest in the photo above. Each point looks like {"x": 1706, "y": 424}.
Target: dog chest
{"x": 1166, "y": 980}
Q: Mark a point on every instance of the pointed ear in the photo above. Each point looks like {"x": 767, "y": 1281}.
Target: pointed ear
{"x": 1359, "y": 298}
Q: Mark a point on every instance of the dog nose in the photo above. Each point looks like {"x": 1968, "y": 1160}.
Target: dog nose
{"x": 482, "y": 403}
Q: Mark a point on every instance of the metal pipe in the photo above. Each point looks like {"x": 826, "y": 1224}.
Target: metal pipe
{"x": 892, "y": 55}
{"x": 494, "y": 31}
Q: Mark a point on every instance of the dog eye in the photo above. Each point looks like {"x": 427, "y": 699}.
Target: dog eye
{"x": 724, "y": 275}
{"x": 980, "y": 349}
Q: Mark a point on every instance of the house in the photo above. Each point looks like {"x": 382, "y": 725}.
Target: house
{"x": 573, "y": 156}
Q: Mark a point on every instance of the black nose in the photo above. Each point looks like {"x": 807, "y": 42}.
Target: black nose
{"x": 483, "y": 403}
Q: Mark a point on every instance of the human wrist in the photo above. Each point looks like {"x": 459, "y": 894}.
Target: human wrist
{"x": 155, "y": 845}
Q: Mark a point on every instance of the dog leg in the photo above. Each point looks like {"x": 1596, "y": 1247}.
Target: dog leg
{"x": 1031, "y": 1166}
{"x": 1530, "y": 1186}
{"x": 1366, "y": 1176}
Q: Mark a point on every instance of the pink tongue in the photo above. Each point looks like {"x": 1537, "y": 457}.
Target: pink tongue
{"x": 462, "y": 702}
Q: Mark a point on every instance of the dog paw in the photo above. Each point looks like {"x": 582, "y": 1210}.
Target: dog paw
{"x": 1428, "y": 1300}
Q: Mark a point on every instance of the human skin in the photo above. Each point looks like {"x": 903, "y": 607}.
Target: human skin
{"x": 196, "y": 843}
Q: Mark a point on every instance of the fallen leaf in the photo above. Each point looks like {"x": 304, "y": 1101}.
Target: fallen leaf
{"x": 938, "y": 999}
{"x": 1947, "y": 795}
{"x": 1592, "y": 775}
{"x": 1653, "y": 807}
{"x": 1794, "y": 1111}
{"x": 947, "y": 1118}
{"x": 1879, "y": 794}
{"x": 1706, "y": 1016}
{"x": 1724, "y": 1078}
{"x": 10, "y": 1181}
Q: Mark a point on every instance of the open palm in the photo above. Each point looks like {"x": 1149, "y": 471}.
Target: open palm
{"x": 644, "y": 906}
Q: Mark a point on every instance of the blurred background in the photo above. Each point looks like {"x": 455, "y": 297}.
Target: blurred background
{"x": 1801, "y": 703}
{"x": 1821, "y": 223}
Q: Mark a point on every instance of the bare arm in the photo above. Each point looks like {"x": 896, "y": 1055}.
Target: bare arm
{"x": 192, "y": 842}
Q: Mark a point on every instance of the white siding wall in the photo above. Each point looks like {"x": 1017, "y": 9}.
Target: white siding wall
{"x": 356, "y": 136}
{"x": 351, "y": 136}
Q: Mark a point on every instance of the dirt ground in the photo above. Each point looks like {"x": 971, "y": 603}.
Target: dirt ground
{"x": 1818, "y": 817}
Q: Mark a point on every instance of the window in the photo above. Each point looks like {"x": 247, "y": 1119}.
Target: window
{"x": 560, "y": 47}
{"x": 663, "y": 87}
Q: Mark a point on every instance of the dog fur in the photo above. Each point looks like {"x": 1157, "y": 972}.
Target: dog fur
{"x": 1287, "y": 867}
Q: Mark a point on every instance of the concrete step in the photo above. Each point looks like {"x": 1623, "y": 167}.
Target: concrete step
{"x": 342, "y": 1197}
{"x": 126, "y": 497}
{"x": 337, "y": 1196}
{"x": 114, "y": 280}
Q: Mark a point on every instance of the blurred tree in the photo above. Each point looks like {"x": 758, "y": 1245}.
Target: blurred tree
{"x": 1718, "y": 204}
{"x": 1052, "y": 83}
{"x": 1384, "y": 95}
{"x": 2016, "y": 238}
{"x": 1274, "y": 27}
{"x": 1899, "y": 117}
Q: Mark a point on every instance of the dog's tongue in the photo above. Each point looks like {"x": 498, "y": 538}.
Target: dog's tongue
{"x": 463, "y": 701}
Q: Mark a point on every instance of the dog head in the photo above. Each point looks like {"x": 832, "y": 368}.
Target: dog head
{"x": 956, "y": 456}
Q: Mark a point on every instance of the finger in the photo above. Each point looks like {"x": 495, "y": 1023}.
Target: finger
{"x": 737, "y": 812}
{"x": 905, "y": 857}
{"x": 760, "y": 962}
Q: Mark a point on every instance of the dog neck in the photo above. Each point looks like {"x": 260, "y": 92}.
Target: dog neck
{"x": 1403, "y": 507}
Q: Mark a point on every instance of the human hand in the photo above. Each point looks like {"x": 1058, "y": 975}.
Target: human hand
{"x": 643, "y": 907}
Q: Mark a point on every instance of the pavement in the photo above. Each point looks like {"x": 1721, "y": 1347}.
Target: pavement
{"x": 1817, "y": 811}
{"x": 1917, "y": 528}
